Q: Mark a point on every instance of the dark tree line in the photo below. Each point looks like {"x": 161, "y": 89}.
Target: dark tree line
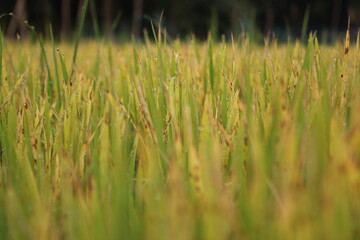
{"x": 179, "y": 16}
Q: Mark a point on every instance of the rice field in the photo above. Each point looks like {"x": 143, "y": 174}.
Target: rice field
{"x": 179, "y": 140}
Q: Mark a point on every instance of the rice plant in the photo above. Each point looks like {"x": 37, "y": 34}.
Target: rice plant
{"x": 179, "y": 140}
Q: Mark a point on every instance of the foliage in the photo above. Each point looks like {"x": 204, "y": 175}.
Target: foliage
{"x": 185, "y": 140}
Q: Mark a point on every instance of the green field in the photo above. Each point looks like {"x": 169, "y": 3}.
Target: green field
{"x": 181, "y": 140}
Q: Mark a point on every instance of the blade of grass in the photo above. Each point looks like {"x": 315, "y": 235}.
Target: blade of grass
{"x": 95, "y": 19}
{"x": 211, "y": 63}
{"x": 78, "y": 36}
{"x": 58, "y": 85}
{"x": 305, "y": 25}
{"x": 1, "y": 53}
{"x": 63, "y": 68}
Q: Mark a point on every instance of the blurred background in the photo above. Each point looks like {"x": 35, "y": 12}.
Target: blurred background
{"x": 182, "y": 18}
